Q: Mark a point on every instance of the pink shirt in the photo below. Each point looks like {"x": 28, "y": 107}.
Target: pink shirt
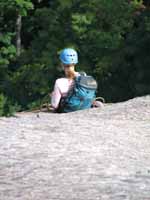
{"x": 61, "y": 88}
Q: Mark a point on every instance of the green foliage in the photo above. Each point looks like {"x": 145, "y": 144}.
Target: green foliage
{"x": 19, "y": 6}
{"x": 8, "y": 50}
{"x": 7, "y": 107}
{"x": 137, "y": 3}
{"x": 129, "y": 73}
{"x": 30, "y": 82}
{"x": 2, "y": 104}
{"x": 137, "y": 52}
{"x": 111, "y": 37}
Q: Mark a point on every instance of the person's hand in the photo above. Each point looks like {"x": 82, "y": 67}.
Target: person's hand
{"x": 97, "y": 104}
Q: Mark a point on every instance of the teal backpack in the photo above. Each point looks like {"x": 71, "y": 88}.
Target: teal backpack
{"x": 80, "y": 96}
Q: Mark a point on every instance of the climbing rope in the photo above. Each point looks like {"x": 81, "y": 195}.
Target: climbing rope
{"x": 46, "y": 106}
{"x": 100, "y": 99}
{"x": 45, "y": 103}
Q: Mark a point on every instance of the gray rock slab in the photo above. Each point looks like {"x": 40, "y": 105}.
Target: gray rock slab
{"x": 95, "y": 154}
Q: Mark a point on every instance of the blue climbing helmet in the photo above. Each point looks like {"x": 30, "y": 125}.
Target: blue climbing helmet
{"x": 69, "y": 56}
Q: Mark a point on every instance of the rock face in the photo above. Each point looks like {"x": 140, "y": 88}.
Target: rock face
{"x": 95, "y": 154}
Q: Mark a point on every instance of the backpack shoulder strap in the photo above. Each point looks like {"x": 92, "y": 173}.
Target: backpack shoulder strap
{"x": 82, "y": 73}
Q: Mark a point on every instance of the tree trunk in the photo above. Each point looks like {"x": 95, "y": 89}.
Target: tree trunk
{"x": 18, "y": 34}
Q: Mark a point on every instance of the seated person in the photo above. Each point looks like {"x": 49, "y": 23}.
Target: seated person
{"x": 69, "y": 58}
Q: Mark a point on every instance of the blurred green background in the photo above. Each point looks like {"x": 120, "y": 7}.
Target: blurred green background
{"x": 112, "y": 38}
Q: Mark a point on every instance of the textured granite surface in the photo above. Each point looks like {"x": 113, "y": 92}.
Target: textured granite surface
{"x": 95, "y": 154}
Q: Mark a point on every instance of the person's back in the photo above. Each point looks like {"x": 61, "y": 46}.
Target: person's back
{"x": 69, "y": 59}
{"x": 81, "y": 96}
{"x": 63, "y": 86}
{"x": 61, "y": 89}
